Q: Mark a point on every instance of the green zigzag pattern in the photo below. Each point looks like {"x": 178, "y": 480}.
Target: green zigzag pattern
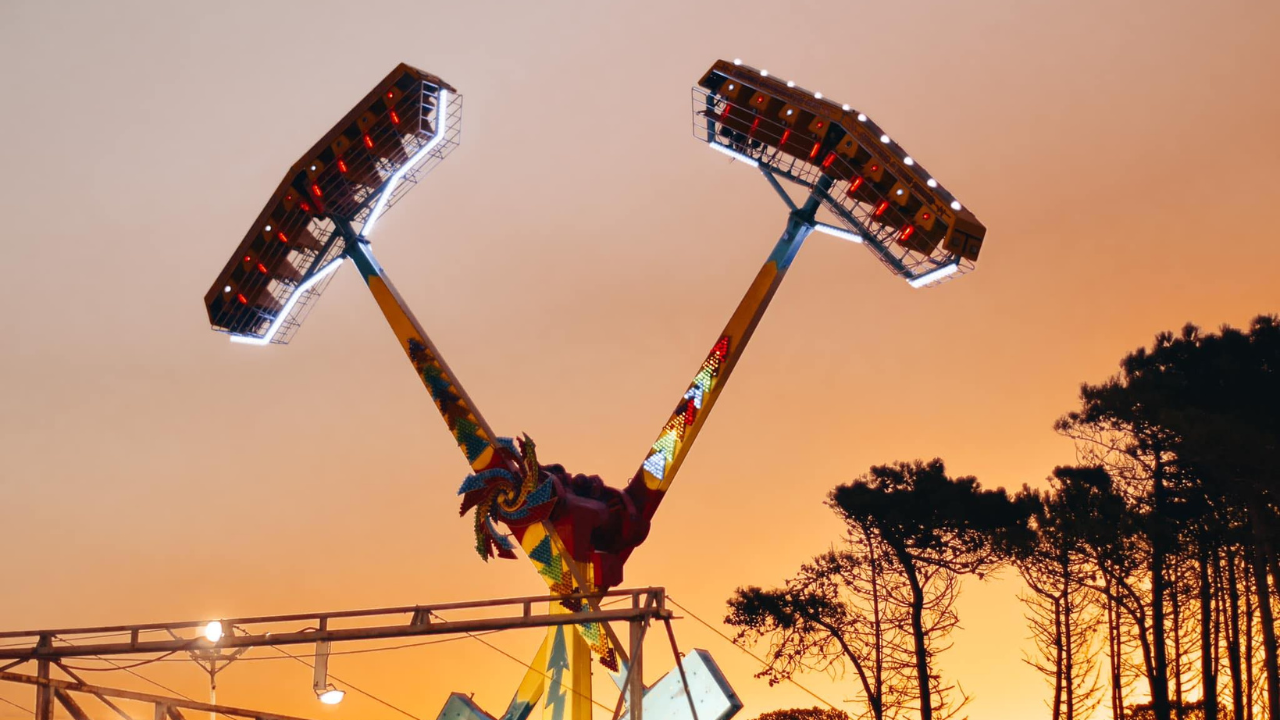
{"x": 466, "y": 433}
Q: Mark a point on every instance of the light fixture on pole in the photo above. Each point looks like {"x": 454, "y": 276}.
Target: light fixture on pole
{"x": 331, "y": 696}
{"x": 325, "y": 691}
{"x": 213, "y": 631}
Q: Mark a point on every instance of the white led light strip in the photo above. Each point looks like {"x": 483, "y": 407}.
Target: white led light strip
{"x": 324, "y": 272}
{"x": 442, "y": 127}
{"x": 862, "y": 117}
{"x": 933, "y": 275}
{"x": 841, "y": 233}
{"x": 733, "y": 154}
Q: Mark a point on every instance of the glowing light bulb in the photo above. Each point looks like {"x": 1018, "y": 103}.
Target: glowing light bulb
{"x": 845, "y": 107}
{"x": 862, "y": 118}
{"x": 909, "y": 162}
{"x": 791, "y": 83}
{"x": 764, "y": 73}
{"x": 955, "y": 205}
{"x": 268, "y": 228}
{"x": 332, "y": 696}
{"x": 884, "y": 139}
{"x": 213, "y": 631}
{"x": 932, "y": 183}
{"x": 226, "y": 289}
{"x": 818, "y": 95}
{"x": 737, "y": 61}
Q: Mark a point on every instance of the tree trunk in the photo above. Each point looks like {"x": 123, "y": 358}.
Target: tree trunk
{"x": 1068, "y": 669}
{"x": 1175, "y": 600}
{"x": 1250, "y": 691}
{"x": 1159, "y": 678}
{"x": 1058, "y": 657}
{"x": 1233, "y": 638}
{"x": 1113, "y": 654}
{"x": 1266, "y": 617}
{"x": 1208, "y": 674}
{"x": 873, "y": 699}
{"x": 917, "y": 634}
{"x": 878, "y": 658}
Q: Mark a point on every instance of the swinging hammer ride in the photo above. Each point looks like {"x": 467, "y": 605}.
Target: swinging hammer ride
{"x": 576, "y": 530}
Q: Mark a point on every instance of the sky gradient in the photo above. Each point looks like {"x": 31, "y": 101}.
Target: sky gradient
{"x": 574, "y": 260}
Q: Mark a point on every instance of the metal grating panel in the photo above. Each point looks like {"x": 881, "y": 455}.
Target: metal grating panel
{"x": 370, "y": 159}
{"x": 880, "y": 195}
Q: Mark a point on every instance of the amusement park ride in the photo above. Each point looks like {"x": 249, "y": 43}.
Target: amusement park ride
{"x": 577, "y": 531}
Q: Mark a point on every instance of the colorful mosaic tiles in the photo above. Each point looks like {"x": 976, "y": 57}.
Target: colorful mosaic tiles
{"x": 515, "y": 500}
{"x": 672, "y": 436}
{"x": 462, "y": 422}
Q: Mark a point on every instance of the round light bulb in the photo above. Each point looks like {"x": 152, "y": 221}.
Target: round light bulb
{"x": 332, "y": 696}
{"x": 899, "y": 191}
{"x": 884, "y": 139}
{"x": 845, "y": 107}
{"x": 268, "y": 228}
{"x": 313, "y": 168}
{"x": 788, "y": 112}
{"x": 226, "y": 289}
{"x": 955, "y": 204}
{"x": 932, "y": 183}
{"x": 213, "y": 631}
{"x": 908, "y": 160}
{"x": 791, "y": 83}
{"x": 818, "y": 95}
{"x": 737, "y": 61}
{"x": 862, "y": 118}
{"x": 732, "y": 86}
{"x": 764, "y": 73}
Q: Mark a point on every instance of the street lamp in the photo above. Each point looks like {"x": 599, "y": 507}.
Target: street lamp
{"x": 330, "y": 695}
{"x": 325, "y": 691}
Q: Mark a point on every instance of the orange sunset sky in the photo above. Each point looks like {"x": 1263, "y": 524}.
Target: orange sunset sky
{"x": 574, "y": 260}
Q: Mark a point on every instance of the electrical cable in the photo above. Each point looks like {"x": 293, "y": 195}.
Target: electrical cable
{"x": 366, "y": 693}
{"x": 25, "y": 710}
{"x": 138, "y": 664}
{"x": 276, "y": 659}
{"x": 544, "y": 674}
{"x": 129, "y": 670}
{"x": 287, "y": 655}
{"x": 87, "y": 637}
{"x": 144, "y": 678}
{"x": 406, "y": 646}
{"x": 758, "y": 659}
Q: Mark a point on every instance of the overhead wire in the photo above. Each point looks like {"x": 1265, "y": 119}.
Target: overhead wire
{"x": 86, "y": 637}
{"x": 23, "y": 709}
{"x": 366, "y": 693}
{"x": 362, "y": 651}
{"x": 164, "y": 657}
{"x": 140, "y": 663}
{"x": 479, "y": 637}
{"x": 144, "y": 678}
{"x": 544, "y": 673}
{"x": 762, "y": 661}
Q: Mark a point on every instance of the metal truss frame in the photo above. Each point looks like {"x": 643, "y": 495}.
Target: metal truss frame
{"x": 646, "y": 605}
